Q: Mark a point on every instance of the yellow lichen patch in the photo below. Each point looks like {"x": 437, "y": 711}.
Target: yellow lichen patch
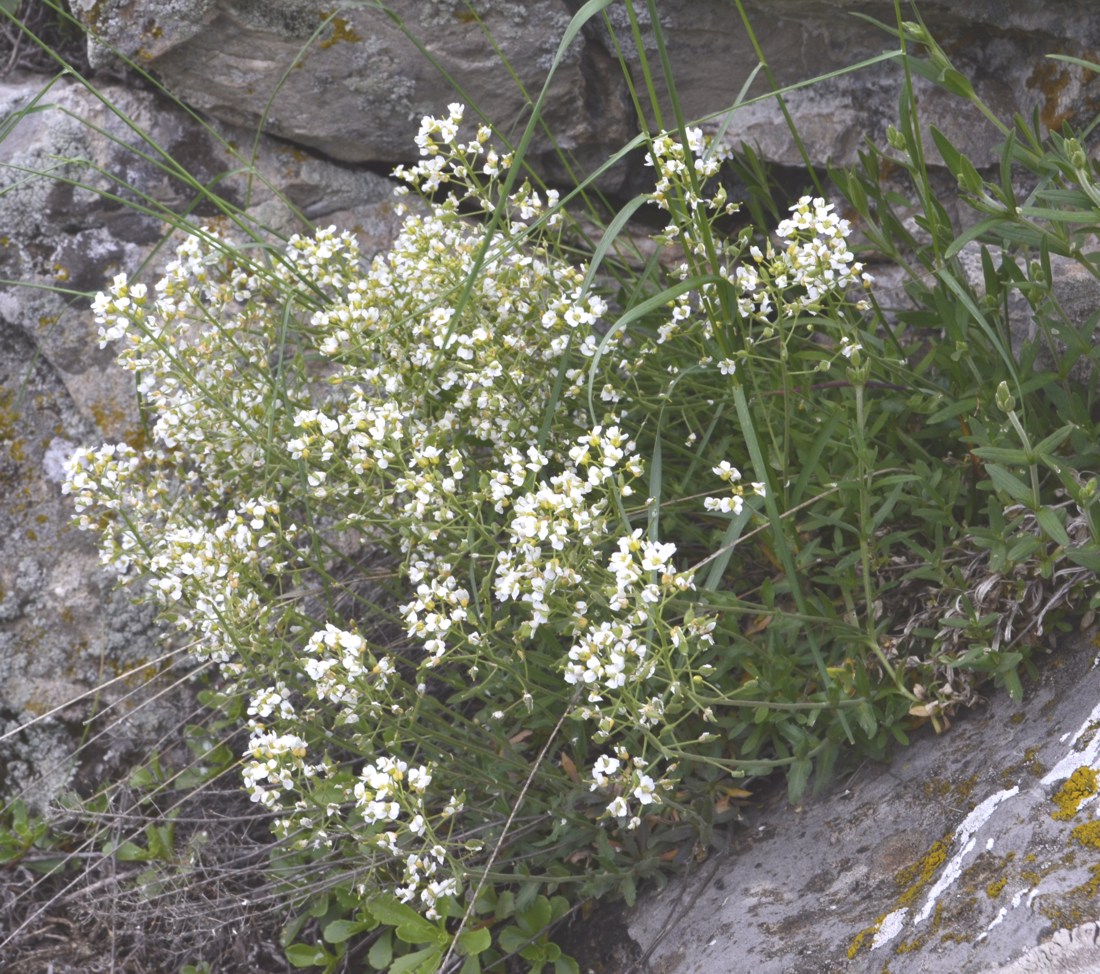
{"x": 994, "y": 889}
{"x": 863, "y": 936}
{"x": 1032, "y": 763}
{"x": 1078, "y": 787}
{"x": 1088, "y": 834}
{"x": 1090, "y": 889}
{"x": 1051, "y": 81}
{"x": 918, "y": 875}
{"x": 908, "y": 946}
{"x": 341, "y": 31}
{"x": 964, "y": 789}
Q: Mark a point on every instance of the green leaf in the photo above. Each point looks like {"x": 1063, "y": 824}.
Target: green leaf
{"x": 131, "y": 852}
{"x": 303, "y": 955}
{"x": 956, "y": 82}
{"x": 424, "y": 961}
{"x": 410, "y": 926}
{"x": 474, "y": 941}
{"x": 1085, "y": 557}
{"x": 338, "y": 931}
{"x": 292, "y": 929}
{"x": 1052, "y": 526}
{"x": 1056, "y": 439}
{"x": 381, "y": 951}
{"x": 537, "y": 916}
{"x": 1008, "y": 484}
{"x": 797, "y": 777}
{"x": 972, "y": 233}
{"x": 566, "y": 965}
{"x": 1013, "y": 685}
{"x": 1002, "y": 455}
{"x": 512, "y": 939}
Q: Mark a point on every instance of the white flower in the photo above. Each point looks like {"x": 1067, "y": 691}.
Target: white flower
{"x": 618, "y": 807}
{"x": 646, "y": 790}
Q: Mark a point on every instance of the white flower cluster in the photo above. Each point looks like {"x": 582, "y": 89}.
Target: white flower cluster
{"x": 340, "y": 666}
{"x": 625, "y": 777}
{"x": 390, "y": 795}
{"x": 677, "y": 164}
{"x": 310, "y": 410}
{"x": 812, "y": 261}
{"x": 734, "y": 502}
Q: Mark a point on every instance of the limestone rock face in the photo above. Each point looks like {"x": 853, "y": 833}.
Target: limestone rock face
{"x": 354, "y": 87}
{"x": 966, "y": 854}
{"x": 305, "y": 112}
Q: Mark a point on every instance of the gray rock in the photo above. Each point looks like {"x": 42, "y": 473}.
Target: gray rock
{"x": 356, "y": 88}
{"x": 1074, "y": 951}
{"x": 947, "y": 861}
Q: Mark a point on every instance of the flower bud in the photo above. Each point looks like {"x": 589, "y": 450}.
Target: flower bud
{"x": 1005, "y": 402}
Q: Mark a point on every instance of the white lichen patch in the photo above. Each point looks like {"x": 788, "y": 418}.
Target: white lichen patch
{"x": 964, "y": 841}
{"x": 1074, "y": 758}
{"x": 892, "y": 925}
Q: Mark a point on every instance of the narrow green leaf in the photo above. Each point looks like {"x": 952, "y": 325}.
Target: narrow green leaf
{"x": 1056, "y": 439}
{"x": 950, "y": 155}
{"x": 1085, "y": 557}
{"x": 1008, "y": 484}
{"x": 614, "y": 228}
{"x": 972, "y": 233}
{"x": 1002, "y": 454}
{"x": 724, "y": 554}
{"x": 1052, "y": 526}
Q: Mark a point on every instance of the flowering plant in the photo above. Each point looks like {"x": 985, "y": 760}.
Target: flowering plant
{"x": 464, "y": 532}
{"x": 379, "y": 499}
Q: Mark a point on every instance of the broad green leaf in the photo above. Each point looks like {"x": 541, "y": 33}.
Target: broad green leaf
{"x": 303, "y": 955}
{"x": 338, "y": 931}
{"x": 474, "y": 941}
{"x": 536, "y": 917}
{"x": 424, "y": 961}
{"x": 131, "y": 852}
{"x": 409, "y": 925}
{"x": 381, "y": 951}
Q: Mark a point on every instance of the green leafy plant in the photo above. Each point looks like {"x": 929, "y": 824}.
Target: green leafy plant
{"x": 462, "y": 530}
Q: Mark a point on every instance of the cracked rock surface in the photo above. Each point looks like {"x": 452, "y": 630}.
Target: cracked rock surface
{"x": 970, "y": 853}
